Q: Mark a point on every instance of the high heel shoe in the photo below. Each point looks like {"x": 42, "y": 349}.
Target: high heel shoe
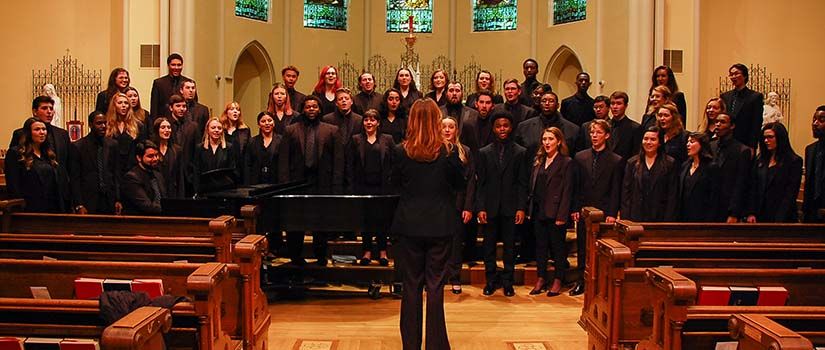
{"x": 383, "y": 262}
{"x": 364, "y": 261}
{"x": 541, "y": 287}
{"x": 556, "y": 289}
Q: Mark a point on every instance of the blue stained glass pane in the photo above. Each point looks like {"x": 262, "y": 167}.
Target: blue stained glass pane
{"x": 565, "y": 11}
{"x": 252, "y": 9}
{"x": 493, "y": 15}
{"x": 325, "y": 14}
{"x": 399, "y": 12}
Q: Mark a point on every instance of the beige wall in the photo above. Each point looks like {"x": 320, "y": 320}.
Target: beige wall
{"x": 783, "y": 36}
{"x": 144, "y": 29}
{"x": 34, "y": 38}
{"x": 679, "y": 34}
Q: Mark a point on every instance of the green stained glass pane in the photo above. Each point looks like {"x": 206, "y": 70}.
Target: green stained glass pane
{"x": 325, "y": 14}
{"x": 493, "y": 15}
{"x": 252, "y": 9}
{"x": 565, "y": 11}
{"x": 399, "y": 12}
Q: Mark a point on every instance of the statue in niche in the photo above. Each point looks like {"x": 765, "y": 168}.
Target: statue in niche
{"x": 771, "y": 112}
{"x": 49, "y": 90}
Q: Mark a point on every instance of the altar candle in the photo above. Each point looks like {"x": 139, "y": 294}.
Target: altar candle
{"x": 410, "y": 24}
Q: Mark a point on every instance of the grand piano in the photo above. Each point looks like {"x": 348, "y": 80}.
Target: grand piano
{"x": 291, "y": 207}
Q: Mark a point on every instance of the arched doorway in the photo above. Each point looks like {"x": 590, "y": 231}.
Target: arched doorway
{"x": 252, "y": 81}
{"x": 561, "y": 71}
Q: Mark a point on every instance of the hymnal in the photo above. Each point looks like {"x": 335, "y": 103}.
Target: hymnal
{"x": 153, "y": 287}
{"x": 11, "y": 343}
{"x": 772, "y": 296}
{"x": 88, "y": 288}
{"x": 713, "y": 295}
{"x": 79, "y": 344}
{"x": 43, "y": 343}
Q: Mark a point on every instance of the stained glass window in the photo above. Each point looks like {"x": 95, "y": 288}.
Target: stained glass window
{"x": 565, "y": 11}
{"x": 400, "y": 11}
{"x": 493, "y": 15}
{"x": 252, "y": 9}
{"x": 325, "y": 14}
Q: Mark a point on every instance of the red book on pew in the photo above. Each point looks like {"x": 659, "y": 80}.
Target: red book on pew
{"x": 743, "y": 296}
{"x": 43, "y": 343}
{"x": 772, "y": 296}
{"x": 79, "y": 344}
{"x": 87, "y": 288}
{"x": 11, "y": 343}
{"x": 153, "y": 287}
{"x": 713, "y": 295}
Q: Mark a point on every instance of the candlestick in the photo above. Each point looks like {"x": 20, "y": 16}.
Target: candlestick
{"x": 411, "y": 25}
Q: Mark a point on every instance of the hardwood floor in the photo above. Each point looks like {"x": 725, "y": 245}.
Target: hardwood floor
{"x": 474, "y": 321}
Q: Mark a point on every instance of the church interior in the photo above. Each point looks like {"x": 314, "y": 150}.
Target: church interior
{"x": 642, "y": 278}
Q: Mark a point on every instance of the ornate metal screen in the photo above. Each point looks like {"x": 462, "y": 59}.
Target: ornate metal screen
{"x": 76, "y": 86}
{"x": 760, "y": 80}
{"x": 348, "y": 74}
{"x": 383, "y": 72}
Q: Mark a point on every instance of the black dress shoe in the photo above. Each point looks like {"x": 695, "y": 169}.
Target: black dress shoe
{"x": 578, "y": 289}
{"x": 456, "y": 289}
{"x": 553, "y": 294}
{"x": 383, "y": 262}
{"x": 509, "y": 291}
{"x": 489, "y": 289}
{"x": 364, "y": 261}
{"x": 541, "y": 287}
{"x": 298, "y": 262}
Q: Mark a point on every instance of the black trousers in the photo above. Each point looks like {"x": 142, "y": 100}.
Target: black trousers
{"x": 422, "y": 263}
{"x": 295, "y": 244}
{"x": 463, "y": 249}
{"x": 366, "y": 241}
{"x": 581, "y": 243}
{"x": 501, "y": 227}
{"x": 548, "y": 232}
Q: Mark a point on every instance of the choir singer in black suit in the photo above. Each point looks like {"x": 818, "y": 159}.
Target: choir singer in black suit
{"x": 143, "y": 186}
{"x": 814, "y": 200}
{"x": 698, "y": 182}
{"x": 734, "y": 161}
{"x": 58, "y": 138}
{"x": 93, "y": 175}
{"x": 776, "y": 176}
{"x": 597, "y": 184}
{"x": 428, "y": 172}
{"x": 745, "y": 106}
{"x": 650, "y": 182}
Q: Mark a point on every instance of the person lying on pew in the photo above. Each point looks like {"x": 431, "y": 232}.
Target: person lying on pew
{"x": 551, "y": 187}
{"x": 93, "y": 172}
{"x": 369, "y": 162}
{"x": 650, "y": 182}
{"x": 143, "y": 186}
{"x": 775, "y": 178}
{"x": 34, "y": 173}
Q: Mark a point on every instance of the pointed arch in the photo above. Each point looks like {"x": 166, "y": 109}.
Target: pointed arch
{"x": 252, "y": 78}
{"x": 561, "y": 71}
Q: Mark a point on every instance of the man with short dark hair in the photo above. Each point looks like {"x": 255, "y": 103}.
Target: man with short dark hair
{"x": 530, "y": 68}
{"x": 367, "y": 98}
{"x": 43, "y": 110}
{"x": 184, "y": 133}
{"x": 143, "y": 187}
{"x": 578, "y": 108}
{"x": 348, "y": 122}
{"x": 625, "y": 130}
{"x": 195, "y": 111}
{"x": 484, "y": 126}
{"x": 814, "y": 201}
{"x": 528, "y": 133}
{"x": 512, "y": 93}
{"x": 94, "y": 161}
{"x": 290, "y": 75}
{"x": 166, "y": 86}
{"x": 745, "y": 107}
{"x": 467, "y": 117}
{"x": 602, "y": 112}
{"x": 734, "y": 162}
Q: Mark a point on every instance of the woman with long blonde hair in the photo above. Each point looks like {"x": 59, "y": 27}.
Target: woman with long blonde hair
{"x": 126, "y": 129}
{"x": 235, "y": 130}
{"x": 213, "y": 153}
{"x": 428, "y": 172}
{"x": 464, "y": 204}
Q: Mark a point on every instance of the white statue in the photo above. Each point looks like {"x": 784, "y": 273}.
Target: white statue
{"x": 48, "y": 90}
{"x": 771, "y": 112}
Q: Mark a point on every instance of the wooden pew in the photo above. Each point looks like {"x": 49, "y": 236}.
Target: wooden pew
{"x": 678, "y": 323}
{"x": 140, "y": 329}
{"x": 759, "y": 332}
{"x": 249, "y": 317}
{"x": 205, "y": 284}
{"x": 611, "y": 316}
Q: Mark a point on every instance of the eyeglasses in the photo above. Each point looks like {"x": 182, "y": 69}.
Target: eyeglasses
{"x": 769, "y": 137}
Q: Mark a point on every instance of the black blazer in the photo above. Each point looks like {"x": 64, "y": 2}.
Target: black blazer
{"x": 747, "y": 114}
{"x": 412, "y": 96}
{"x": 519, "y": 111}
{"x": 501, "y": 188}
{"x": 468, "y": 124}
{"x": 623, "y": 137}
{"x": 528, "y": 133}
{"x": 681, "y": 105}
{"x": 347, "y": 125}
{"x": 813, "y": 180}
{"x": 600, "y": 190}
{"x": 137, "y": 194}
{"x": 699, "y": 199}
{"x": 205, "y": 160}
{"x": 239, "y": 140}
{"x": 660, "y": 203}
{"x": 163, "y": 88}
{"x": 197, "y": 113}
{"x": 734, "y": 162}
{"x": 58, "y": 138}
{"x": 29, "y": 185}
{"x": 355, "y": 163}
{"x": 295, "y": 99}
{"x": 330, "y": 156}
{"x": 558, "y": 195}
{"x": 440, "y": 101}
{"x": 84, "y": 174}
{"x": 363, "y": 102}
{"x": 466, "y": 198}
{"x": 172, "y": 168}
{"x": 261, "y": 162}
{"x": 427, "y": 204}
{"x": 280, "y": 125}
{"x": 676, "y": 147}
{"x": 773, "y": 197}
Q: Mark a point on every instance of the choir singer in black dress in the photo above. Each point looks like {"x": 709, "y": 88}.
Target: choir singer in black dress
{"x": 775, "y": 178}
{"x": 699, "y": 182}
{"x": 428, "y": 172}
{"x": 212, "y": 154}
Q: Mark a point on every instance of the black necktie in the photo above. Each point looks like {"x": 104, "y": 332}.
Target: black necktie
{"x": 501, "y": 154}
{"x": 155, "y": 188}
{"x": 594, "y": 167}
{"x": 310, "y": 152}
{"x": 100, "y": 184}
